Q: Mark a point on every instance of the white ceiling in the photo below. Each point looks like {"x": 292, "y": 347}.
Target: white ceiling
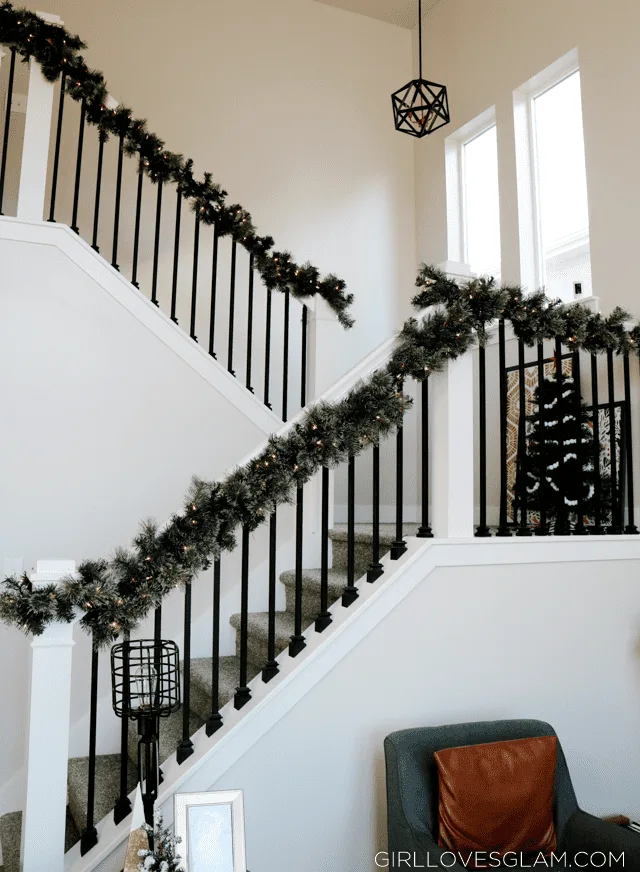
{"x": 404, "y": 13}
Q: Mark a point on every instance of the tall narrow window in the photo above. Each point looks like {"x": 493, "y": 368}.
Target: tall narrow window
{"x": 552, "y": 181}
{"x": 563, "y": 211}
{"x": 480, "y": 203}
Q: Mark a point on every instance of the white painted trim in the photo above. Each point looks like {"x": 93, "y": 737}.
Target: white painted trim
{"x": 532, "y": 257}
{"x": 241, "y": 730}
{"x": 44, "y": 819}
{"x": 130, "y": 298}
{"x": 455, "y": 188}
{"x": 35, "y": 149}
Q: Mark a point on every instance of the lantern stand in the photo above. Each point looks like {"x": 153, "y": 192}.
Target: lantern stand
{"x": 145, "y": 684}
{"x": 420, "y": 107}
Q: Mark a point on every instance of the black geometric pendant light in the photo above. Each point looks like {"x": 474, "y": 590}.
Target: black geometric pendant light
{"x": 420, "y": 107}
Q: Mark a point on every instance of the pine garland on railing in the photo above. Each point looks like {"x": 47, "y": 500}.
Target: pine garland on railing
{"x": 115, "y": 595}
{"x": 58, "y": 51}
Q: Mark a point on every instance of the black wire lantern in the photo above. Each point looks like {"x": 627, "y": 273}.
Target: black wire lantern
{"x": 145, "y": 685}
{"x": 420, "y": 107}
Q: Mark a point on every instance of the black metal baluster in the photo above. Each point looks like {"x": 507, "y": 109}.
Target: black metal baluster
{"x": 482, "y": 531}
{"x": 285, "y": 357}
{"x": 243, "y": 694}
{"x": 89, "y": 837}
{"x": 214, "y": 721}
{"x": 579, "y": 528}
{"x": 631, "y": 528}
{"x": 303, "y": 363}
{"x": 116, "y": 217}
{"x": 350, "y": 593}
{"x": 185, "y": 745}
{"x": 561, "y": 526}
{"x": 375, "y": 569}
{"x": 56, "y": 151}
{"x": 271, "y": 668}
{"x": 156, "y": 247}
{"x": 7, "y": 127}
{"x": 297, "y": 642}
{"x": 157, "y": 638}
{"x": 176, "y": 257}
{"x": 503, "y": 529}
{"x": 399, "y": 546}
{"x": 76, "y": 189}
{"x": 102, "y": 138}
{"x": 194, "y": 279}
{"x": 232, "y": 306}
{"x": 324, "y": 617}
{"x": 543, "y": 528}
{"x": 267, "y": 350}
{"x": 425, "y": 531}
{"x": 136, "y": 229}
{"x": 597, "y": 528}
{"x": 123, "y": 804}
{"x": 616, "y": 503}
{"x": 523, "y": 528}
{"x": 249, "y": 327}
{"x": 214, "y": 289}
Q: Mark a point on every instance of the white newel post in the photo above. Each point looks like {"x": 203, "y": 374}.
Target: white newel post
{"x": 451, "y": 430}
{"x": 43, "y": 827}
{"x": 324, "y": 331}
{"x": 35, "y": 149}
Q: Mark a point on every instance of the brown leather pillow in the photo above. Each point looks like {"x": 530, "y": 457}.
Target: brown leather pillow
{"x": 498, "y": 797}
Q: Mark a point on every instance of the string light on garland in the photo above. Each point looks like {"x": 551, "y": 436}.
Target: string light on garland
{"x": 420, "y": 107}
{"x": 115, "y": 595}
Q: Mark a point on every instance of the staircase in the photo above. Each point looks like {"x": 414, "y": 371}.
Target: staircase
{"x": 268, "y": 360}
{"x": 108, "y": 765}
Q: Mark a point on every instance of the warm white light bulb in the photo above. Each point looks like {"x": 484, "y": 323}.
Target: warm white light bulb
{"x": 146, "y": 683}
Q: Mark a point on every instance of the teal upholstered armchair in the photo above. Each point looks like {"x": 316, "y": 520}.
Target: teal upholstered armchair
{"x": 412, "y": 800}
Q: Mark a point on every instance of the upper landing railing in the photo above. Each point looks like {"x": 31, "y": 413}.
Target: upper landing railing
{"x": 71, "y": 154}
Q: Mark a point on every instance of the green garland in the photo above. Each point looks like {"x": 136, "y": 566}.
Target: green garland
{"x": 113, "y": 596}
{"x": 58, "y": 52}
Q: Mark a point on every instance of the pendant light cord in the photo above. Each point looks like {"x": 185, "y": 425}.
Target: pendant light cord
{"x": 420, "y": 36}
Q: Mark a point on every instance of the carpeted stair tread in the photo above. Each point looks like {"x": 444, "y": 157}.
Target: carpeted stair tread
{"x": 201, "y": 683}
{"x": 337, "y": 578}
{"x": 170, "y": 734}
{"x": 107, "y": 786}
{"x": 258, "y": 635}
{"x": 364, "y": 532}
{"x": 311, "y": 580}
{"x": 11, "y": 838}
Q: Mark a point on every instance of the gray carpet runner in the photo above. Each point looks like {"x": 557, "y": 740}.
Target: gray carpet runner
{"x": 108, "y": 765}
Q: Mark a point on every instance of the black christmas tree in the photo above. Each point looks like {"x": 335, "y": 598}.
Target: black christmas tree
{"x": 558, "y": 464}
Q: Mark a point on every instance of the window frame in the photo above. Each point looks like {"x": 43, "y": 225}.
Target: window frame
{"x": 455, "y": 182}
{"x": 532, "y": 260}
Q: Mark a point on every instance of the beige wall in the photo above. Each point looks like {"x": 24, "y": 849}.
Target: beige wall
{"x": 484, "y": 49}
{"x": 287, "y": 103}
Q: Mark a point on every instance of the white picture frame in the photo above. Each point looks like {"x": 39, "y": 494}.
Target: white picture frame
{"x": 211, "y": 829}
